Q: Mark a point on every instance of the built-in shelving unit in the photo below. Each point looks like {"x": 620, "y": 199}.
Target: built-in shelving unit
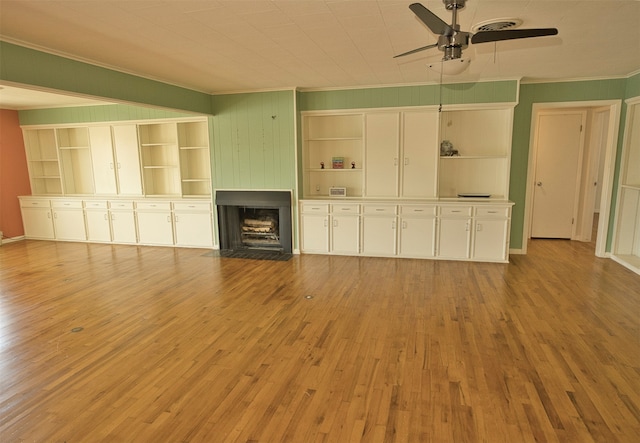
{"x": 626, "y": 243}
{"x": 75, "y": 160}
{"x": 328, "y": 137}
{"x": 44, "y": 166}
{"x": 195, "y": 172}
{"x": 405, "y": 198}
{"x": 482, "y": 139}
{"x": 159, "y": 159}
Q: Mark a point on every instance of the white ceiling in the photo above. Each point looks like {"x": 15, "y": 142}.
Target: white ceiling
{"x": 219, "y": 46}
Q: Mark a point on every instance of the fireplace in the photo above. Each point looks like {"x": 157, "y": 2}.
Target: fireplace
{"x": 254, "y": 220}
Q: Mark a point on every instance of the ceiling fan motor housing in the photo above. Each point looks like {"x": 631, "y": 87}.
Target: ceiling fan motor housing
{"x": 452, "y": 45}
{"x": 454, "y": 4}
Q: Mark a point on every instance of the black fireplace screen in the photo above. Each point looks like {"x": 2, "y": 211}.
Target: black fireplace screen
{"x": 254, "y": 220}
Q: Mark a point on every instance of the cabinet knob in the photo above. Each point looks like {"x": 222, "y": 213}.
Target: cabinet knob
{"x": 539, "y": 184}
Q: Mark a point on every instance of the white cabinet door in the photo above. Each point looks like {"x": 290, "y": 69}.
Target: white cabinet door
{"x": 379, "y": 235}
{"x": 382, "y": 146}
{"x": 69, "y": 224}
{"x": 102, "y": 159}
{"x": 123, "y": 226}
{"x": 38, "y": 223}
{"x": 420, "y": 154}
{"x": 98, "y": 226}
{"x": 155, "y": 228}
{"x": 454, "y": 238}
{"x": 417, "y": 237}
{"x": 315, "y": 233}
{"x": 345, "y": 234}
{"x": 125, "y": 143}
{"x": 193, "y": 229}
{"x": 490, "y": 239}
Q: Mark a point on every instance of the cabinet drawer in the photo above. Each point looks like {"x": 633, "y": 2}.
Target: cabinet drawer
{"x": 488, "y": 211}
{"x": 95, "y": 204}
{"x": 417, "y": 210}
{"x": 319, "y": 208}
{"x": 34, "y": 203}
{"x": 456, "y": 210}
{"x": 67, "y": 204}
{"x": 380, "y": 209}
{"x": 345, "y": 209}
{"x": 153, "y": 206}
{"x": 192, "y": 206}
{"x": 121, "y": 205}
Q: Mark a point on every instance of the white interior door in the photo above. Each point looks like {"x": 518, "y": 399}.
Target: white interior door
{"x": 558, "y": 147}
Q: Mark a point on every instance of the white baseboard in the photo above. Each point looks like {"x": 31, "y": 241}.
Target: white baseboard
{"x": 517, "y": 252}
{"x": 4, "y": 241}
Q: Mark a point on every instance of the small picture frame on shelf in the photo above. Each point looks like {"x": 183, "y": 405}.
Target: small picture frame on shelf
{"x": 337, "y": 162}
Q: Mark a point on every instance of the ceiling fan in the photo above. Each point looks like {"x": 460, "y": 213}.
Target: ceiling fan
{"x": 452, "y": 40}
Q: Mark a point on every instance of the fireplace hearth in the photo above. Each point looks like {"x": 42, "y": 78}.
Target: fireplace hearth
{"x": 254, "y": 221}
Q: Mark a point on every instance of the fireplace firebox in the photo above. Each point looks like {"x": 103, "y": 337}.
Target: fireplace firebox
{"x": 254, "y": 220}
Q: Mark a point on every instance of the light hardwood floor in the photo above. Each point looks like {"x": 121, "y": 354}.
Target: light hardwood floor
{"x": 178, "y": 346}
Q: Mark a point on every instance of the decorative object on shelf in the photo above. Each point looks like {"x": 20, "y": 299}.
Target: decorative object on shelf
{"x": 321, "y": 165}
{"x": 337, "y": 162}
{"x": 353, "y": 165}
{"x": 446, "y": 149}
{"x": 336, "y": 191}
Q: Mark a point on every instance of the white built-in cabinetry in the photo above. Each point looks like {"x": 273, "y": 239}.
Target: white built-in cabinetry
{"x": 327, "y": 137}
{"x": 37, "y": 218}
{"x": 411, "y": 197}
{"x": 475, "y": 231}
{"x": 154, "y": 159}
{"x": 97, "y": 221}
{"x": 116, "y": 163}
{"x": 126, "y": 182}
{"x": 401, "y": 152}
{"x": 626, "y": 239}
{"x": 181, "y": 222}
{"x": 482, "y": 139}
{"x": 42, "y": 161}
{"x": 68, "y": 220}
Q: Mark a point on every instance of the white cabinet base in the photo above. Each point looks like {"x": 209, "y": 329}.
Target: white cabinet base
{"x": 466, "y": 230}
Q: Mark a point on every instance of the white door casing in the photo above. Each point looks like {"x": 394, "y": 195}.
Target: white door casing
{"x": 559, "y": 142}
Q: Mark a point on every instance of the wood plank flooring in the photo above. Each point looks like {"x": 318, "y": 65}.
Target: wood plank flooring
{"x": 178, "y": 346}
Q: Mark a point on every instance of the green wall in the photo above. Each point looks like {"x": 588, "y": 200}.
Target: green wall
{"x": 423, "y": 95}
{"x": 613, "y": 89}
{"x": 30, "y": 67}
{"x": 94, "y": 114}
{"x": 254, "y": 141}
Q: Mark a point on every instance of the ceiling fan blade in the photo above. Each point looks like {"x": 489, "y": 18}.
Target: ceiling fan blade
{"x": 416, "y": 50}
{"x": 511, "y": 34}
{"x": 433, "y": 22}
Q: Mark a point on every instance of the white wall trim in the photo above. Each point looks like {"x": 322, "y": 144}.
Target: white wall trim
{"x": 609, "y": 165}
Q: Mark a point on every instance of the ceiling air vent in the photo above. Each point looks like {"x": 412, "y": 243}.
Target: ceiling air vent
{"x": 497, "y": 24}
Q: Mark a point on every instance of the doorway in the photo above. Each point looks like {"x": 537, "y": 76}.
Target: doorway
{"x": 559, "y": 146}
{"x": 599, "y": 134}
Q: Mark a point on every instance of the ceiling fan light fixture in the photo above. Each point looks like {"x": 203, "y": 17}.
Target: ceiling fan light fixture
{"x": 450, "y": 67}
